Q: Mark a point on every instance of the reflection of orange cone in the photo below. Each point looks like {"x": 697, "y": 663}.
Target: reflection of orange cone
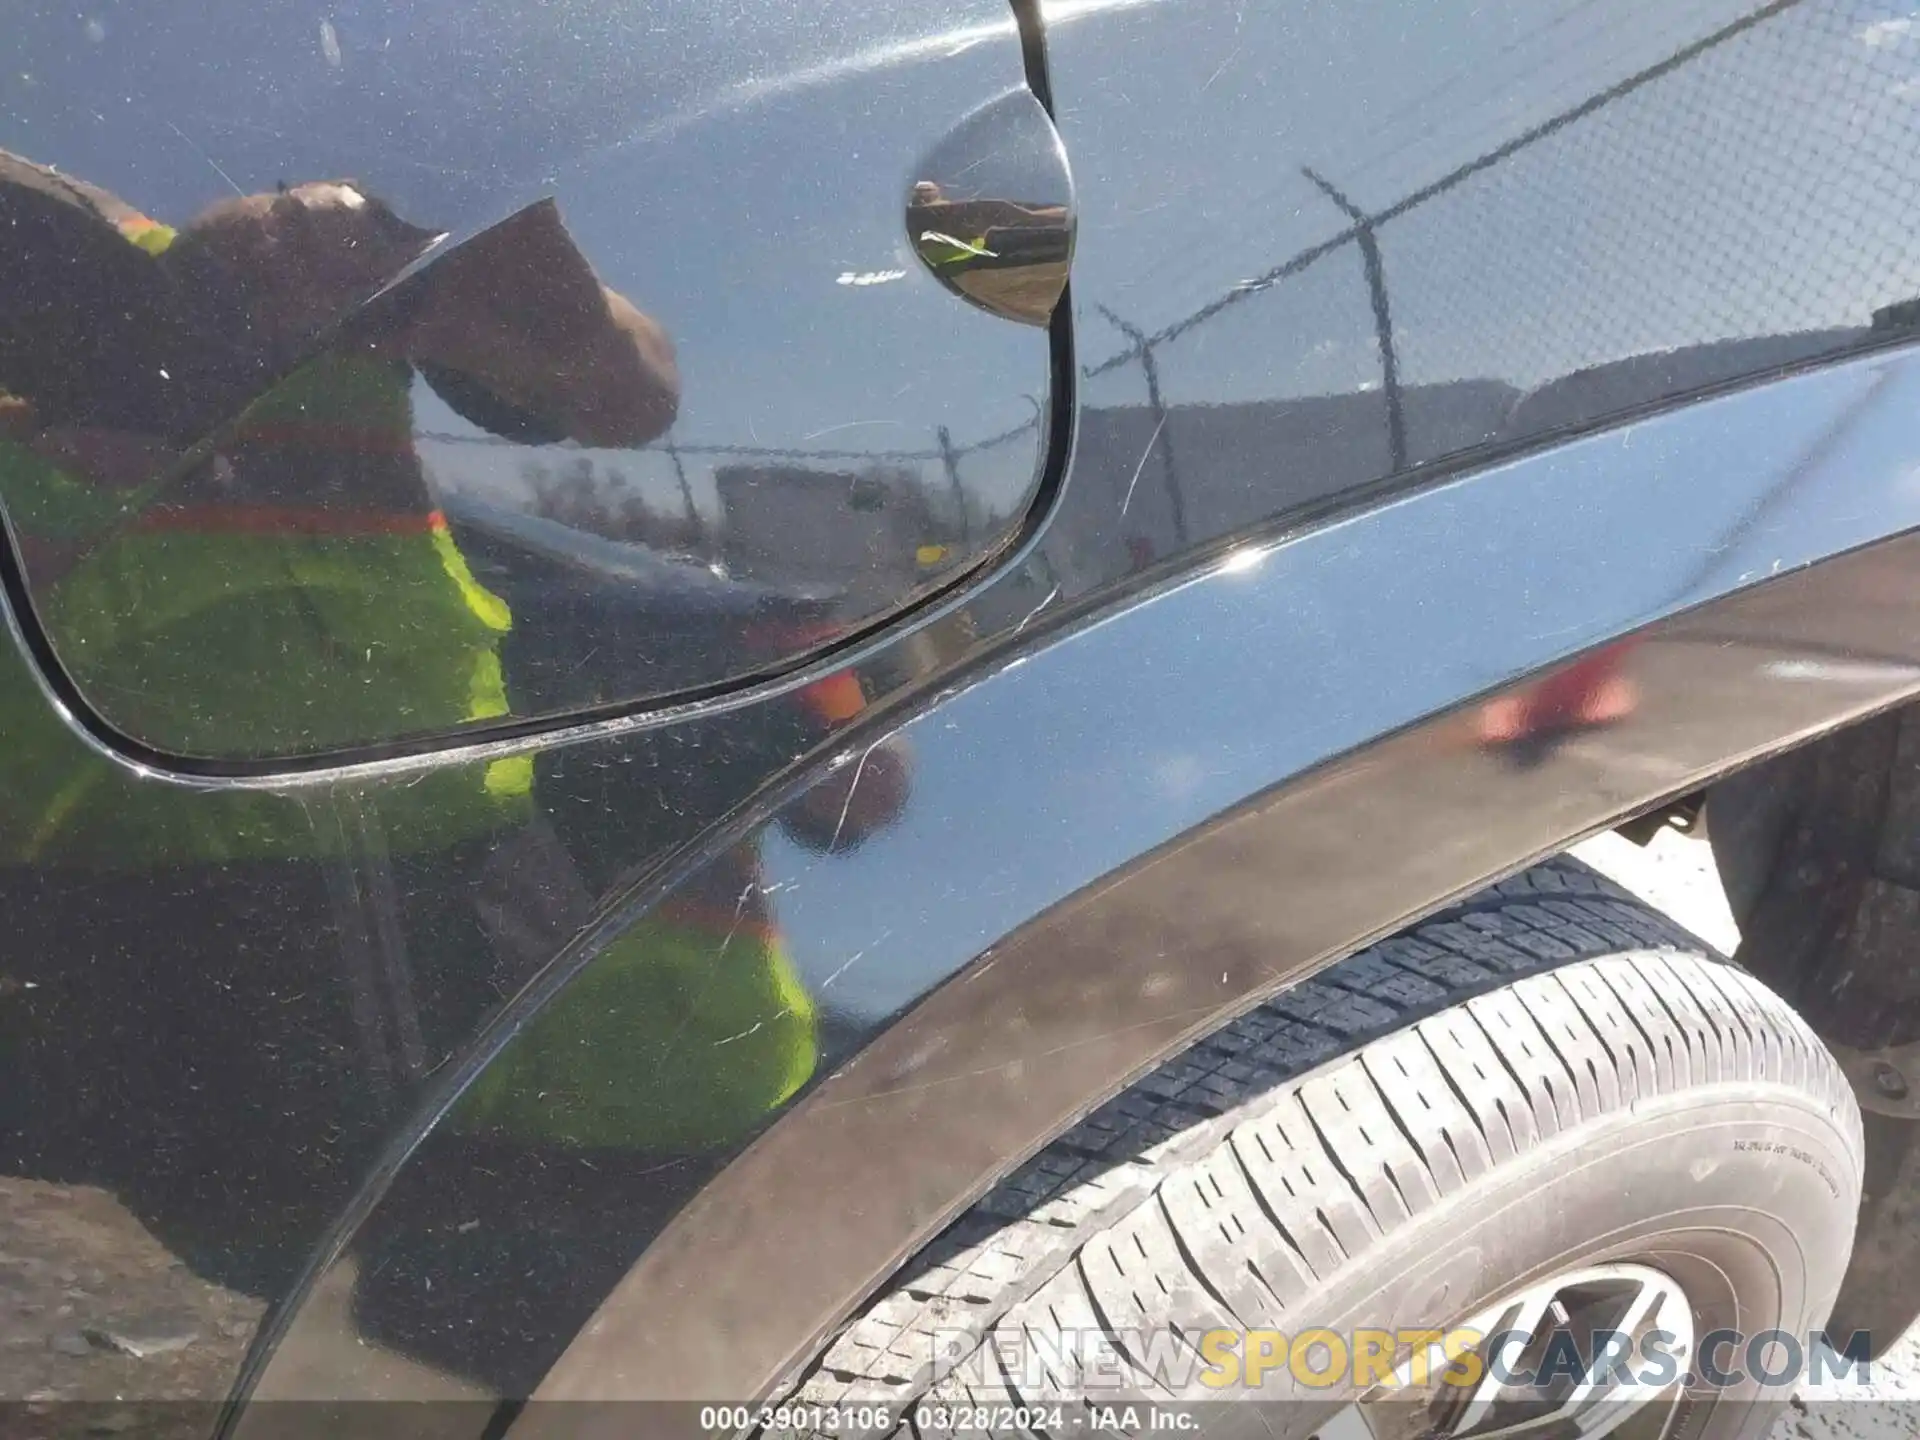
{"x": 837, "y": 697}
{"x": 1587, "y": 693}
{"x": 1502, "y": 721}
{"x": 832, "y": 698}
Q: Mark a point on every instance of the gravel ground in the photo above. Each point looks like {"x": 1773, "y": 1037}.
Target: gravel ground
{"x": 102, "y": 1329}
{"x": 1677, "y": 874}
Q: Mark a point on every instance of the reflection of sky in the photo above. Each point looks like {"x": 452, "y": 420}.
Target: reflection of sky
{"x": 726, "y": 164}
{"x": 1379, "y": 99}
{"x": 1045, "y": 777}
{"x": 727, "y": 198}
{"x": 722, "y": 165}
{"x": 1767, "y": 186}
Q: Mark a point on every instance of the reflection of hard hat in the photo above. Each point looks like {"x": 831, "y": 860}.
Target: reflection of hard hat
{"x": 926, "y": 192}
{"x": 930, "y": 555}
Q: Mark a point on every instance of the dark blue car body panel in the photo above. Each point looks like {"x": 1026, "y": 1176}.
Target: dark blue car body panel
{"x": 1407, "y": 359}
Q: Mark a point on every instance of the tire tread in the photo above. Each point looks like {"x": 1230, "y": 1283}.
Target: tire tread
{"x": 1267, "y": 1155}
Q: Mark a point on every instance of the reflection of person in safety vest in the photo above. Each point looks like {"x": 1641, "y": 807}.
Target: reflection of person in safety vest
{"x": 239, "y": 576}
{"x": 692, "y": 1025}
{"x": 627, "y": 1091}
{"x": 234, "y": 551}
{"x": 296, "y": 570}
{"x": 1010, "y": 257}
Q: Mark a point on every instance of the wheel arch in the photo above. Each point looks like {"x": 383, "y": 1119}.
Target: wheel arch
{"x": 1278, "y": 752}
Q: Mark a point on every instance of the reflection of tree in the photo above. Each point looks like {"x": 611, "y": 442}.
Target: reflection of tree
{"x": 567, "y": 495}
{"x": 606, "y": 503}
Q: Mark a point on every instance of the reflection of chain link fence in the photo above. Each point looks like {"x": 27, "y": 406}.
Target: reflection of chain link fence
{"x": 1757, "y": 186}
{"x": 1761, "y": 182}
{"x": 1752, "y": 195}
{"x": 936, "y": 471}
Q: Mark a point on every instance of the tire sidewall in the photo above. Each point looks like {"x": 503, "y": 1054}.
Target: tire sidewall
{"x": 1745, "y": 1194}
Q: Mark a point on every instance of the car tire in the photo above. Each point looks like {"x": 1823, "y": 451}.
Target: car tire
{"x": 1550, "y": 1075}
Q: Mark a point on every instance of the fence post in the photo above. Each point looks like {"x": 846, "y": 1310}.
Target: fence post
{"x": 1363, "y": 229}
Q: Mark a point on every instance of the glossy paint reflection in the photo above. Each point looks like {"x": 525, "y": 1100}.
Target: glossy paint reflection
{"x": 232, "y": 566}
{"x": 411, "y": 468}
{"x": 213, "y": 1023}
{"x": 236, "y": 1007}
{"x": 564, "y": 233}
{"x": 1333, "y": 247}
{"x": 1058, "y": 770}
{"x": 990, "y": 213}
